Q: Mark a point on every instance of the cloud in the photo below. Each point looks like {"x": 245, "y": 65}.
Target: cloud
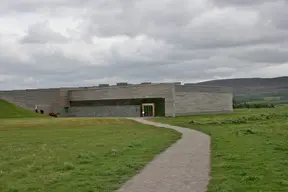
{"x": 277, "y": 19}
{"x": 264, "y": 55}
{"x": 41, "y": 33}
{"x": 239, "y": 2}
{"x": 79, "y": 43}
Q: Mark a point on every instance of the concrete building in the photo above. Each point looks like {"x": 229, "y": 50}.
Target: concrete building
{"x": 125, "y": 100}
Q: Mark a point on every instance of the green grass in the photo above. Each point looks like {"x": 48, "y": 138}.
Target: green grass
{"x": 81, "y": 155}
{"x": 8, "y": 110}
{"x": 249, "y": 148}
{"x": 282, "y": 101}
{"x": 272, "y": 98}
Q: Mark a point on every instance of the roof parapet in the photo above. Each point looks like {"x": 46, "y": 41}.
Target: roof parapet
{"x": 103, "y": 85}
{"x": 121, "y": 84}
{"x": 145, "y": 83}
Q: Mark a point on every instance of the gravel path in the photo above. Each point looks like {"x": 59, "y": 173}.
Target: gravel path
{"x": 184, "y": 167}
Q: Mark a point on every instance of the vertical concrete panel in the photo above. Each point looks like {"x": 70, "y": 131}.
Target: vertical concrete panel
{"x": 128, "y": 92}
{"x": 64, "y": 98}
{"x": 44, "y": 98}
{"x": 54, "y": 100}
{"x": 198, "y": 100}
{"x": 106, "y": 111}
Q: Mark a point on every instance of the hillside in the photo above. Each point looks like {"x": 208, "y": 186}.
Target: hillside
{"x": 256, "y": 89}
{"x": 8, "y": 110}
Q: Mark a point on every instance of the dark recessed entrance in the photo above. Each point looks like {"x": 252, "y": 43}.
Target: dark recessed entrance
{"x": 148, "y": 110}
{"x": 147, "y": 107}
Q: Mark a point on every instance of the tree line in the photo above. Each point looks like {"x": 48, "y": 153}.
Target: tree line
{"x": 237, "y": 105}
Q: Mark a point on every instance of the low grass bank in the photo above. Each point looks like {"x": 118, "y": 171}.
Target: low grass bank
{"x": 249, "y": 148}
{"x": 9, "y": 110}
{"x": 64, "y": 155}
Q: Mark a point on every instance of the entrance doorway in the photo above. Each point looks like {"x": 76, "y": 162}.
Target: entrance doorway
{"x": 148, "y": 110}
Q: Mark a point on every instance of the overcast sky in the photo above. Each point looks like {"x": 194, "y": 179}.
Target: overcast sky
{"x": 53, "y": 43}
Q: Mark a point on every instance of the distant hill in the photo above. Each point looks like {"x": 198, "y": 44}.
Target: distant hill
{"x": 8, "y": 110}
{"x": 256, "y": 89}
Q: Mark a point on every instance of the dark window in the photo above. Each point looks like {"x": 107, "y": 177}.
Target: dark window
{"x": 66, "y": 109}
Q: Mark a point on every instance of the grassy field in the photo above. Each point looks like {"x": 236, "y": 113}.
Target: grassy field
{"x": 69, "y": 154}
{"x": 249, "y": 148}
{"x": 275, "y": 102}
{"x": 8, "y": 110}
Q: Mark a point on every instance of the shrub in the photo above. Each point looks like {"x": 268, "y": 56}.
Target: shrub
{"x": 252, "y": 105}
{"x": 240, "y": 120}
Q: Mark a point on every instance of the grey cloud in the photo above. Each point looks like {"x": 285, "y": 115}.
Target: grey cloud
{"x": 212, "y": 40}
{"x": 141, "y": 17}
{"x": 275, "y": 13}
{"x": 58, "y": 6}
{"x": 174, "y": 26}
{"x": 48, "y": 71}
{"x": 32, "y": 6}
{"x": 41, "y": 33}
{"x": 239, "y": 2}
{"x": 184, "y": 42}
{"x": 264, "y": 56}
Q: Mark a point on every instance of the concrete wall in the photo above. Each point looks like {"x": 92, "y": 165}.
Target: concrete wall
{"x": 46, "y": 99}
{"x": 194, "y": 99}
{"x": 164, "y": 90}
{"x": 179, "y": 99}
{"x": 106, "y": 111}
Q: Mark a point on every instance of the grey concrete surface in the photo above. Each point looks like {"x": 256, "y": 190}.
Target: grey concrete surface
{"x": 179, "y": 99}
{"x": 46, "y": 99}
{"x": 193, "y": 99}
{"x": 162, "y": 90}
{"x": 184, "y": 167}
{"x": 189, "y": 103}
{"x": 106, "y": 111}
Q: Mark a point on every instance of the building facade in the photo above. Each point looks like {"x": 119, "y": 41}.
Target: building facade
{"x": 124, "y": 100}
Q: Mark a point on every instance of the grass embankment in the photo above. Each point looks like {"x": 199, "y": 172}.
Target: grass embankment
{"x": 75, "y": 154}
{"x": 8, "y": 110}
{"x": 249, "y": 148}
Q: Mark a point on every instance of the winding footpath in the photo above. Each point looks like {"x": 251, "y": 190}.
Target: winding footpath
{"x": 183, "y": 167}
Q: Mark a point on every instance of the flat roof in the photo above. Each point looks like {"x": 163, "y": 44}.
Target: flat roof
{"x": 120, "y": 85}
